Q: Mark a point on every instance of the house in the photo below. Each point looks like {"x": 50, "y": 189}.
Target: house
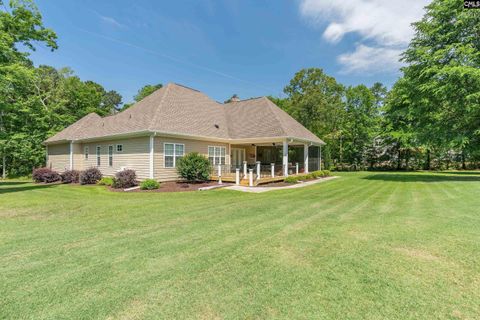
{"x": 153, "y": 134}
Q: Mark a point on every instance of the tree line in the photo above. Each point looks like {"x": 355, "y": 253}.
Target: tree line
{"x": 429, "y": 119}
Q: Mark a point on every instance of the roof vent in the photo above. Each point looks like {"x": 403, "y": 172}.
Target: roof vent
{"x": 217, "y": 126}
{"x": 234, "y": 98}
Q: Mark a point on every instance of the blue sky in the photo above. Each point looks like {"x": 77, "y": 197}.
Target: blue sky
{"x": 252, "y": 48}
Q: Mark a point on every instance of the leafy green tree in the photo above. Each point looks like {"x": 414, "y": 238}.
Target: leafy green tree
{"x": 145, "y": 91}
{"x": 316, "y": 100}
{"x": 443, "y": 68}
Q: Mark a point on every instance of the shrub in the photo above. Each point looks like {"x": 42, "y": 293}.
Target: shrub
{"x": 106, "y": 181}
{"x": 194, "y": 167}
{"x": 292, "y": 179}
{"x": 125, "y": 179}
{"x": 326, "y": 173}
{"x": 70, "y": 176}
{"x": 46, "y": 175}
{"x": 149, "y": 184}
{"x": 90, "y": 176}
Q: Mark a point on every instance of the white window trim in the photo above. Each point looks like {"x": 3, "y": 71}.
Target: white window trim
{"x": 108, "y": 151}
{"x": 225, "y": 156}
{"x": 174, "y": 155}
{"x": 98, "y": 155}
{"x": 116, "y": 147}
{"x": 86, "y": 152}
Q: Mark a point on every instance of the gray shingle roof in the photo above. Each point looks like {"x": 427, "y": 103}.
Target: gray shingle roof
{"x": 176, "y": 109}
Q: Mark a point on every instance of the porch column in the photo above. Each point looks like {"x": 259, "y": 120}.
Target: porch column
{"x": 273, "y": 170}
{"x": 150, "y": 175}
{"x": 285, "y": 158}
{"x": 305, "y": 157}
{"x": 237, "y": 176}
{"x": 245, "y": 169}
{"x": 71, "y": 155}
{"x": 258, "y": 170}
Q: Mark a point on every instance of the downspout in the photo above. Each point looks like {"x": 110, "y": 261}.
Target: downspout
{"x": 71, "y": 155}
{"x": 152, "y": 141}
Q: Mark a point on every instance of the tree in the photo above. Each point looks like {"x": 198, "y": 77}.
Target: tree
{"x": 20, "y": 26}
{"x": 443, "y": 68}
{"x": 316, "y": 100}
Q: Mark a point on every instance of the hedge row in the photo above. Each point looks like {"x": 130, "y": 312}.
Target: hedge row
{"x": 308, "y": 176}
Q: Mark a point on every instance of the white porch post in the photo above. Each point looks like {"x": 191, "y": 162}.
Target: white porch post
{"x": 258, "y": 170}
{"x": 237, "y": 176}
{"x": 71, "y": 155}
{"x": 245, "y": 169}
{"x": 296, "y": 168}
{"x": 305, "y": 157}
{"x": 151, "y": 157}
{"x": 320, "y": 157}
{"x": 250, "y": 177}
{"x": 273, "y": 170}
{"x": 219, "y": 174}
{"x": 285, "y": 158}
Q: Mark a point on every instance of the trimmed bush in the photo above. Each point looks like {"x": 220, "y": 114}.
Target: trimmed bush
{"x": 194, "y": 167}
{"x": 291, "y": 179}
{"x": 45, "y": 175}
{"x": 106, "y": 181}
{"x": 90, "y": 176}
{"x": 149, "y": 184}
{"x": 125, "y": 179}
{"x": 70, "y": 176}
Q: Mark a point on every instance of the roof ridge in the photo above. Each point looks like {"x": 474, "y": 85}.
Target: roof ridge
{"x": 181, "y": 85}
{"x": 253, "y": 98}
{"x": 154, "y": 119}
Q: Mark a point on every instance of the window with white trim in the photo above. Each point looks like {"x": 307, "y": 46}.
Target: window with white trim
{"x": 98, "y": 155}
{"x": 110, "y": 156}
{"x": 85, "y": 151}
{"x": 216, "y": 155}
{"x": 119, "y": 147}
{"x": 172, "y": 152}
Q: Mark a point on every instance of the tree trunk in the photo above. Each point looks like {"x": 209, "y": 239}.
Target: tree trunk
{"x": 4, "y": 166}
{"x": 427, "y": 162}
{"x": 399, "y": 159}
{"x": 464, "y": 166}
{"x": 407, "y": 158}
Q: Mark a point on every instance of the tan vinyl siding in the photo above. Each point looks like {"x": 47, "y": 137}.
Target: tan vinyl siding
{"x": 135, "y": 155}
{"x": 77, "y": 156}
{"x": 165, "y": 174}
{"x": 59, "y": 157}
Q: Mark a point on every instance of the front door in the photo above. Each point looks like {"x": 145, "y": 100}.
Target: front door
{"x": 238, "y": 156}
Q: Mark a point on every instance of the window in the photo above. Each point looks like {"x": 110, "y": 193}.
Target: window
{"x": 86, "y": 152}
{"x": 119, "y": 147}
{"x": 172, "y": 152}
{"x": 98, "y": 156}
{"x": 110, "y": 156}
{"x": 216, "y": 155}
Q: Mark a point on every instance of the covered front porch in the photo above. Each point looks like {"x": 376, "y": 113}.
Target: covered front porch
{"x": 257, "y": 163}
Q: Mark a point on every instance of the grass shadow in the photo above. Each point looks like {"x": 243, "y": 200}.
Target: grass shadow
{"x": 10, "y": 183}
{"x": 426, "y": 177}
{"x": 18, "y": 187}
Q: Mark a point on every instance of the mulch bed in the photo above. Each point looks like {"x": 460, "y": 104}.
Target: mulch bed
{"x": 173, "y": 186}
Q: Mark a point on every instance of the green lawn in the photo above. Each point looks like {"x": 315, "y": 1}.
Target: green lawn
{"x": 364, "y": 246}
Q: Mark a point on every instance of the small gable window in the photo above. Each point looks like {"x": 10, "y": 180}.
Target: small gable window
{"x": 86, "y": 152}
{"x": 119, "y": 147}
{"x": 110, "y": 156}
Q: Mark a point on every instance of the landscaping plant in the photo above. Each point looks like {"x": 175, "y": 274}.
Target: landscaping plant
{"x": 90, "y": 176}
{"x": 125, "y": 179}
{"x": 70, "y": 176}
{"x": 105, "y": 181}
{"x": 45, "y": 175}
{"x": 194, "y": 167}
{"x": 149, "y": 184}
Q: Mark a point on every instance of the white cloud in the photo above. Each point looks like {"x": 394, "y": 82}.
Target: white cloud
{"x": 370, "y": 60}
{"x": 383, "y": 22}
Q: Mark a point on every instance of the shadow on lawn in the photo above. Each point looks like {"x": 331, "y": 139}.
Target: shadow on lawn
{"x": 406, "y": 177}
{"x": 12, "y": 186}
